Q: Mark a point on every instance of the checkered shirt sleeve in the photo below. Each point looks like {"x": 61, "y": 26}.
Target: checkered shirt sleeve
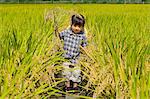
{"x": 62, "y": 34}
{"x": 84, "y": 41}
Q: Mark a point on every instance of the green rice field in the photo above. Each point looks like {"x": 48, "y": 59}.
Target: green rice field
{"x": 116, "y": 64}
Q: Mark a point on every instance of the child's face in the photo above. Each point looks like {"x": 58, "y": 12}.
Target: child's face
{"x": 76, "y": 28}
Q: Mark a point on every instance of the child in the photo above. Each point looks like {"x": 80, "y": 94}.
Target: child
{"x": 73, "y": 38}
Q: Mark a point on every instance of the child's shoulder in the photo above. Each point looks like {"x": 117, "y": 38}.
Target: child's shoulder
{"x": 66, "y": 30}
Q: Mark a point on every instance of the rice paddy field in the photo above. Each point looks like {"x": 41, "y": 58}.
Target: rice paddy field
{"x": 116, "y": 63}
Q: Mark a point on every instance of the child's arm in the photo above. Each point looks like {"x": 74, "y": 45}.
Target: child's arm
{"x": 61, "y": 35}
{"x": 84, "y": 41}
{"x": 84, "y": 44}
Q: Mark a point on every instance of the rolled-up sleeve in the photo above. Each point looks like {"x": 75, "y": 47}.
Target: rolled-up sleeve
{"x": 61, "y": 35}
{"x": 84, "y": 41}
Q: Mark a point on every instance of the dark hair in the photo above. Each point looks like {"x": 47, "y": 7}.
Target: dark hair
{"x": 78, "y": 19}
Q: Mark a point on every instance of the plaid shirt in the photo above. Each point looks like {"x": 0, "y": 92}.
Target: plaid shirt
{"x": 72, "y": 44}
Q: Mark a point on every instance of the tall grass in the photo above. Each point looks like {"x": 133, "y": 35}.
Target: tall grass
{"x": 116, "y": 63}
{"x": 121, "y": 52}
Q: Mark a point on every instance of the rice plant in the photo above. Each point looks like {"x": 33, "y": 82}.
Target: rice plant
{"x": 116, "y": 63}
